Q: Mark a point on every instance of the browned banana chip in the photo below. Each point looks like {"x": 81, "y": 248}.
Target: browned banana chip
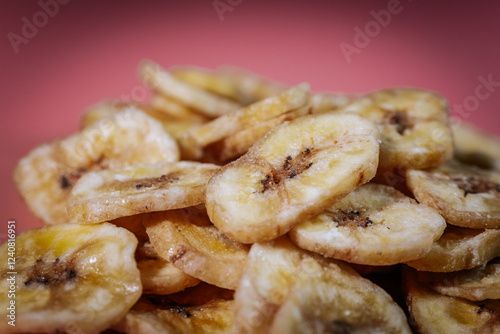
{"x": 191, "y": 311}
{"x": 199, "y": 137}
{"x": 296, "y": 171}
{"x": 209, "y": 104}
{"x": 466, "y": 195}
{"x": 433, "y": 313}
{"x": 47, "y": 174}
{"x": 331, "y": 298}
{"x": 114, "y": 193}
{"x": 460, "y": 249}
{"x": 187, "y": 238}
{"x": 413, "y": 124}
{"x": 158, "y": 276}
{"x": 479, "y": 283}
{"x": 374, "y": 225}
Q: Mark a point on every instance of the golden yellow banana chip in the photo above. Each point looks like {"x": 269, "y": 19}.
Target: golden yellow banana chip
{"x": 460, "y": 249}
{"x": 209, "y": 104}
{"x": 201, "y": 309}
{"x": 294, "y": 172}
{"x": 332, "y": 298}
{"x": 187, "y": 239}
{"x": 479, "y": 283}
{"x": 465, "y": 195}
{"x": 374, "y": 225}
{"x": 47, "y": 174}
{"x": 114, "y": 193}
{"x": 69, "y": 278}
{"x": 199, "y": 137}
{"x": 413, "y": 124}
{"x": 434, "y": 313}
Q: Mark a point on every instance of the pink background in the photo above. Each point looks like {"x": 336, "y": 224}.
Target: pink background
{"x": 89, "y": 51}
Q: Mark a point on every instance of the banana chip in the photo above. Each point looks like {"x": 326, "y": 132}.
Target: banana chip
{"x": 475, "y": 284}
{"x": 475, "y": 146}
{"x": 413, "y": 125}
{"x": 187, "y": 239}
{"x": 209, "y": 104}
{"x": 460, "y": 249}
{"x": 296, "y": 171}
{"x": 158, "y": 276}
{"x": 332, "y": 298}
{"x": 71, "y": 278}
{"x": 374, "y": 225}
{"x": 199, "y": 137}
{"x": 184, "y": 312}
{"x": 114, "y": 193}
{"x": 47, "y": 174}
{"x": 466, "y": 195}
{"x": 433, "y": 313}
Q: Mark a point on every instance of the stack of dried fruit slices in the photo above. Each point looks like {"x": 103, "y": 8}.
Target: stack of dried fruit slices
{"x": 232, "y": 203}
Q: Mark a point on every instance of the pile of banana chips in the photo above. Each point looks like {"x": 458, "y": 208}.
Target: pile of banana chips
{"x": 230, "y": 203}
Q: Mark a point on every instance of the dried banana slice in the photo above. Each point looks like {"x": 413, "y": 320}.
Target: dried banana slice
{"x": 269, "y": 274}
{"x": 433, "y": 313}
{"x": 114, "y": 193}
{"x": 184, "y": 312}
{"x": 101, "y": 110}
{"x": 47, "y": 174}
{"x": 70, "y": 278}
{"x": 474, "y": 146}
{"x": 413, "y": 125}
{"x": 295, "y": 171}
{"x": 475, "y": 284}
{"x": 327, "y": 102}
{"x": 249, "y": 87}
{"x": 176, "y": 110}
{"x": 199, "y": 137}
{"x": 209, "y": 104}
{"x": 158, "y": 276}
{"x": 187, "y": 239}
{"x": 374, "y": 225}
{"x": 333, "y": 298}
{"x": 460, "y": 249}
{"x": 465, "y": 195}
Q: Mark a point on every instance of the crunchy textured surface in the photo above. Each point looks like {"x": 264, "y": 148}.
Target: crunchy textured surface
{"x": 374, "y": 225}
{"x": 47, "y": 174}
{"x": 114, "y": 193}
{"x": 295, "y": 171}
{"x": 465, "y": 195}
{"x": 71, "y": 278}
{"x": 188, "y": 240}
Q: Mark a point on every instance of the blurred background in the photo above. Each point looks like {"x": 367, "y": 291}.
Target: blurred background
{"x": 58, "y": 57}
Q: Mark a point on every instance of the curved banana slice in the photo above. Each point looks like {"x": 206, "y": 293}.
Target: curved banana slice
{"x": 158, "y": 276}
{"x": 210, "y": 313}
{"x": 327, "y": 102}
{"x": 374, "y": 225}
{"x": 101, "y": 110}
{"x": 332, "y": 298}
{"x": 413, "y": 124}
{"x": 295, "y": 171}
{"x": 47, "y": 174}
{"x": 465, "y": 195}
{"x": 176, "y": 110}
{"x": 433, "y": 313}
{"x": 475, "y": 146}
{"x": 249, "y": 87}
{"x": 71, "y": 278}
{"x": 114, "y": 193}
{"x": 199, "y": 137}
{"x": 209, "y": 104}
{"x": 188, "y": 240}
{"x": 475, "y": 284}
{"x": 460, "y": 249}
{"x": 269, "y": 274}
